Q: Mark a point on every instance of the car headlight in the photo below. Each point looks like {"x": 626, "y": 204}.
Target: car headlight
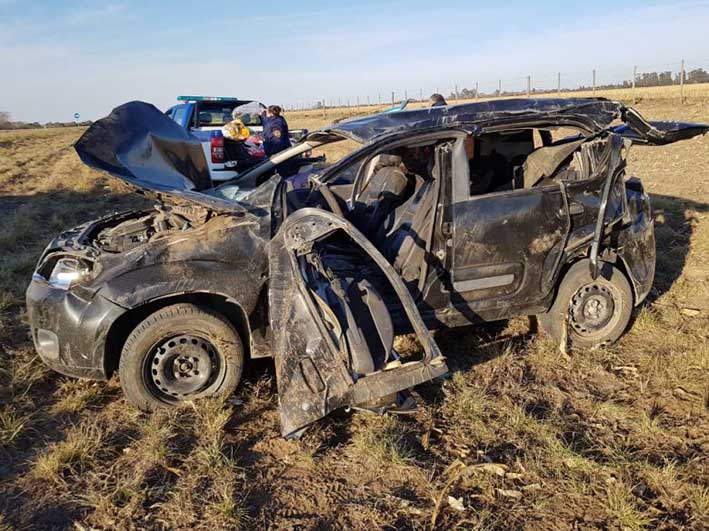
{"x": 66, "y": 272}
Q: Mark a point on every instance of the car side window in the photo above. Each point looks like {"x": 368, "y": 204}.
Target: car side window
{"x": 519, "y": 159}
{"x": 178, "y": 114}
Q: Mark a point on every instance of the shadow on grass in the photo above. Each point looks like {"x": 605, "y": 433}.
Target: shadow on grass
{"x": 676, "y": 219}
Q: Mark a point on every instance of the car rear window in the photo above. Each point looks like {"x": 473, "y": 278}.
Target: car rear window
{"x": 218, "y": 113}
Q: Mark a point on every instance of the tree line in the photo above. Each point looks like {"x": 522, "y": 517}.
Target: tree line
{"x": 6, "y": 123}
{"x": 645, "y": 79}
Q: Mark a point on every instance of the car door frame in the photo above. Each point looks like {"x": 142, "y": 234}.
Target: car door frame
{"x": 312, "y": 379}
{"x": 502, "y": 305}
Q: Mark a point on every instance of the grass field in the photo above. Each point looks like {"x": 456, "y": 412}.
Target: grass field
{"x": 520, "y": 435}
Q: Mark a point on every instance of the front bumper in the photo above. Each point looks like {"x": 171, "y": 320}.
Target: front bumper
{"x": 69, "y": 332}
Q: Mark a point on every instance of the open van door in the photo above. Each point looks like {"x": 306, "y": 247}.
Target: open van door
{"x": 334, "y": 301}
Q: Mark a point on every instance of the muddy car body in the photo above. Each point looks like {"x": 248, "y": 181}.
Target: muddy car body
{"x": 442, "y": 217}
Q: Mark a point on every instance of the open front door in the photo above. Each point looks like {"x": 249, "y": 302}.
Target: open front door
{"x": 331, "y": 298}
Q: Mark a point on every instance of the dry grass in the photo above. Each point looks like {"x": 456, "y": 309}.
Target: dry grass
{"x": 616, "y": 438}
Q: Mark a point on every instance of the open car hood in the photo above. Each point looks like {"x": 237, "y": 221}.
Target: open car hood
{"x": 146, "y": 149}
{"x": 140, "y": 145}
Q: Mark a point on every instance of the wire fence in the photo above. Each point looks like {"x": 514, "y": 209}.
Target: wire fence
{"x": 673, "y": 80}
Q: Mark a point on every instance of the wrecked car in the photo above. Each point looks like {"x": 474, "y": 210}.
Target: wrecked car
{"x": 442, "y": 217}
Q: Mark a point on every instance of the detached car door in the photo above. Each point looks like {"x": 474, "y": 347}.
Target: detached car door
{"x": 332, "y": 296}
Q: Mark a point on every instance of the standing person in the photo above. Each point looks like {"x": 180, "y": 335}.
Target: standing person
{"x": 275, "y": 131}
{"x": 437, "y": 100}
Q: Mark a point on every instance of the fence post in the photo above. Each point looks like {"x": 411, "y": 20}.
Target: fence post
{"x": 456, "y": 93}
{"x": 499, "y": 88}
{"x": 379, "y": 95}
{"x": 558, "y": 83}
{"x": 392, "y": 97}
{"x": 406, "y": 94}
{"x": 421, "y": 94}
{"x": 635, "y": 75}
{"x": 477, "y": 94}
{"x": 594, "y": 82}
{"x": 681, "y": 83}
{"x": 529, "y": 85}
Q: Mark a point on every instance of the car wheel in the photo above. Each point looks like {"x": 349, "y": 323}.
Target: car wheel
{"x": 181, "y": 352}
{"x": 588, "y": 313}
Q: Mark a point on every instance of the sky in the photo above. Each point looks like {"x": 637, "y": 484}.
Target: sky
{"x": 58, "y": 57}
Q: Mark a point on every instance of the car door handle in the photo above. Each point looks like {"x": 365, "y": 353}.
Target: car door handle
{"x": 576, "y": 208}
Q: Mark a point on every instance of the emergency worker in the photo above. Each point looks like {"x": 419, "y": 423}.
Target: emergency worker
{"x": 275, "y": 131}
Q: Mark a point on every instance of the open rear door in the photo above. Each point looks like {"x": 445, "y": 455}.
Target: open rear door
{"x": 333, "y": 302}
{"x": 641, "y": 131}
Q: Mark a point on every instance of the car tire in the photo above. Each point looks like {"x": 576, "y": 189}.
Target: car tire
{"x": 588, "y": 313}
{"x": 181, "y": 352}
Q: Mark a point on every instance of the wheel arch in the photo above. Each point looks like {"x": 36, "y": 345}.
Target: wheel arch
{"x": 582, "y": 254}
{"x": 218, "y": 302}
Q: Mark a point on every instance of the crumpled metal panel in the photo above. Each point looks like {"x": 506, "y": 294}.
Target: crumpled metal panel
{"x": 596, "y": 113}
{"x": 142, "y": 146}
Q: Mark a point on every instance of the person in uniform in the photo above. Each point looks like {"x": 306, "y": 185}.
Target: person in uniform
{"x": 275, "y": 131}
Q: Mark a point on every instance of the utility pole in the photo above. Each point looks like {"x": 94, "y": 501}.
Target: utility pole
{"x": 406, "y": 94}
{"x": 367, "y": 101}
{"x": 594, "y": 82}
{"x": 635, "y": 75}
{"x": 420, "y": 94}
{"x": 499, "y": 88}
{"x": 558, "y": 83}
{"x": 392, "y": 97}
{"x": 379, "y": 94}
{"x": 681, "y": 83}
{"x": 456, "y": 92}
{"x": 357, "y": 101}
{"x": 477, "y": 94}
{"x": 529, "y": 85}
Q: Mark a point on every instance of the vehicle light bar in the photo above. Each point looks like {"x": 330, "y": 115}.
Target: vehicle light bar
{"x": 206, "y": 98}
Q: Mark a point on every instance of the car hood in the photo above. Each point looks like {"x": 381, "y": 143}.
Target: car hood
{"x": 143, "y": 147}
{"x": 140, "y": 145}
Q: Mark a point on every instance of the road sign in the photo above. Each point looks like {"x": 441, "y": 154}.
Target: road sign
{"x": 76, "y": 116}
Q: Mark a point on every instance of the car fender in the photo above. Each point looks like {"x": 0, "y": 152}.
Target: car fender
{"x": 138, "y": 286}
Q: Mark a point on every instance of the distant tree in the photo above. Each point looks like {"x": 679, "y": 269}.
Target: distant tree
{"x": 698, "y": 75}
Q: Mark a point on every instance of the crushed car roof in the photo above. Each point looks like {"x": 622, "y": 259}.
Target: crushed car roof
{"x": 597, "y": 113}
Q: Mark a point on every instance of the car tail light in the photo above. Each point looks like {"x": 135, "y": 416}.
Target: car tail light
{"x": 216, "y": 145}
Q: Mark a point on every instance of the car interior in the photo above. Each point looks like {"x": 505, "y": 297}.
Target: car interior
{"x": 520, "y": 159}
{"x": 392, "y": 201}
